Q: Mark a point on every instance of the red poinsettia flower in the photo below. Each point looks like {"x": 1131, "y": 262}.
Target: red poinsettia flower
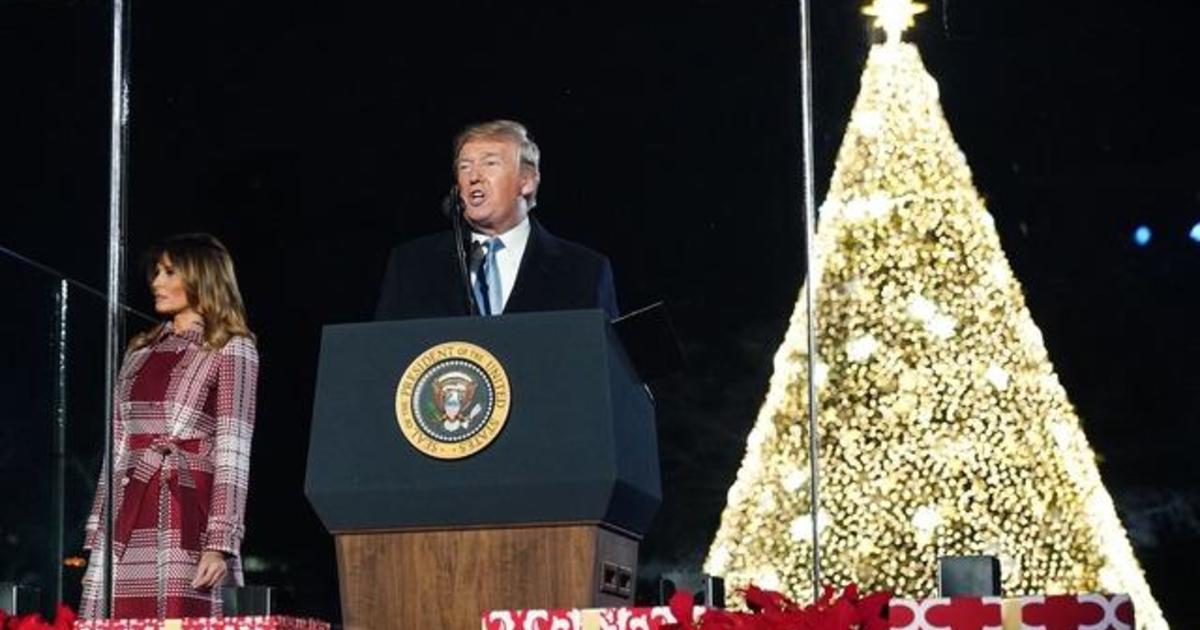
{"x": 681, "y": 610}
{"x": 774, "y": 611}
{"x": 32, "y": 621}
{"x": 769, "y": 602}
{"x": 873, "y": 611}
{"x": 64, "y": 619}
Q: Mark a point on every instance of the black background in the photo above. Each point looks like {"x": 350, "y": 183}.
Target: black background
{"x": 310, "y": 137}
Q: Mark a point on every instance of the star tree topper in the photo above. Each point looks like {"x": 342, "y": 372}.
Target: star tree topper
{"x": 894, "y": 16}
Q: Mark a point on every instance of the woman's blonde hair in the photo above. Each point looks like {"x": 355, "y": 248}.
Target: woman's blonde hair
{"x": 206, "y": 269}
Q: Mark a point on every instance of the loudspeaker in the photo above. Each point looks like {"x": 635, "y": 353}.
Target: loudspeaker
{"x": 18, "y": 599}
{"x": 249, "y": 601}
{"x": 707, "y": 590}
{"x": 968, "y": 576}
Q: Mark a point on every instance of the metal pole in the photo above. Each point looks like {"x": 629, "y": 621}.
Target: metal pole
{"x": 118, "y": 144}
{"x": 59, "y": 444}
{"x": 806, "y": 117}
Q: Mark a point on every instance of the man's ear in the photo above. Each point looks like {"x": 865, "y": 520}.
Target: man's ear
{"x": 529, "y": 181}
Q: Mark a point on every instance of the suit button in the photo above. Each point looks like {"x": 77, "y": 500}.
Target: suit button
{"x": 125, "y": 481}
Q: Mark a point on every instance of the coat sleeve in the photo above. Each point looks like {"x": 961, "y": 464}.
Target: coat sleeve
{"x": 93, "y": 530}
{"x": 237, "y": 383}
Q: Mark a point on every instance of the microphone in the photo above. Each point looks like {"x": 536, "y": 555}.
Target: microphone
{"x": 452, "y": 203}
{"x": 476, "y": 259}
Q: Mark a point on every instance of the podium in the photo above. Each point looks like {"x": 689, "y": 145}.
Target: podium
{"x": 476, "y": 463}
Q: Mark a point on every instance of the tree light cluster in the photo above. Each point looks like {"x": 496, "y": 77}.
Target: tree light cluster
{"x": 943, "y": 428}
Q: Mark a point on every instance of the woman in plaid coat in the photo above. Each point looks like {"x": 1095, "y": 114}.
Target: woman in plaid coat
{"x": 183, "y": 418}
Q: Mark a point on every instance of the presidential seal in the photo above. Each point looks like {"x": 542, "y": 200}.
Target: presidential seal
{"x": 453, "y": 400}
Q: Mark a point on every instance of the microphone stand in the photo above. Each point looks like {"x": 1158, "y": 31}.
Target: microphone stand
{"x": 455, "y": 208}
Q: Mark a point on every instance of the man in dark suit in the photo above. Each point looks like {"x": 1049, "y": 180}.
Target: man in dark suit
{"x": 516, "y": 264}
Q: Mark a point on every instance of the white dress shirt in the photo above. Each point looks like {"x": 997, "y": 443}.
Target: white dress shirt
{"x": 508, "y": 258}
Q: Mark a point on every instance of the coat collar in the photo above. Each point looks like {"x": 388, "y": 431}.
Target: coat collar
{"x": 193, "y": 334}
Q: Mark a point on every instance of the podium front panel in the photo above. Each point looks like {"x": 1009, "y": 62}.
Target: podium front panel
{"x": 575, "y": 446}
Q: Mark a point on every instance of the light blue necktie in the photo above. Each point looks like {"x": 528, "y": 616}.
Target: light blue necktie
{"x": 488, "y": 291}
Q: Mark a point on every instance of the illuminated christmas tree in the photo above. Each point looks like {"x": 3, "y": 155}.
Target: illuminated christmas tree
{"x": 943, "y": 427}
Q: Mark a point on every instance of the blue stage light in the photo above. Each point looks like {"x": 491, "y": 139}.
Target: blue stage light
{"x": 1195, "y": 233}
{"x": 1142, "y": 235}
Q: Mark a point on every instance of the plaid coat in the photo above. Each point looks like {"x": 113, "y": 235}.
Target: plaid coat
{"x": 183, "y": 419}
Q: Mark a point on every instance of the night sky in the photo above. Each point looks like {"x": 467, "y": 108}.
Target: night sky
{"x": 311, "y": 137}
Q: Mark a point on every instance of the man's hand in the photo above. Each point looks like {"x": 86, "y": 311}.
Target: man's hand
{"x": 211, "y": 570}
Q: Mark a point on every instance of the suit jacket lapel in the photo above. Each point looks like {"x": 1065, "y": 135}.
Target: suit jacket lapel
{"x": 532, "y": 273}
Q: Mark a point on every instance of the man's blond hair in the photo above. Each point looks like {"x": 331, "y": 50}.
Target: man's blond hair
{"x": 514, "y": 132}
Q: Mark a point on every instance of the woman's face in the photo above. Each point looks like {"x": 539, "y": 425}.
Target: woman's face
{"x": 170, "y": 297}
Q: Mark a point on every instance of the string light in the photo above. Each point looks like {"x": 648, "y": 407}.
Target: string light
{"x": 944, "y": 429}
{"x": 1142, "y": 235}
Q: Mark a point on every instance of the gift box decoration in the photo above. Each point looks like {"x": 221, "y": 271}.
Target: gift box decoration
{"x": 1043, "y": 612}
{"x": 582, "y": 619}
{"x": 273, "y": 622}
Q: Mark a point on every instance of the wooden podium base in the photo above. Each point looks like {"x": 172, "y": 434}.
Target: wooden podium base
{"x": 445, "y": 580}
